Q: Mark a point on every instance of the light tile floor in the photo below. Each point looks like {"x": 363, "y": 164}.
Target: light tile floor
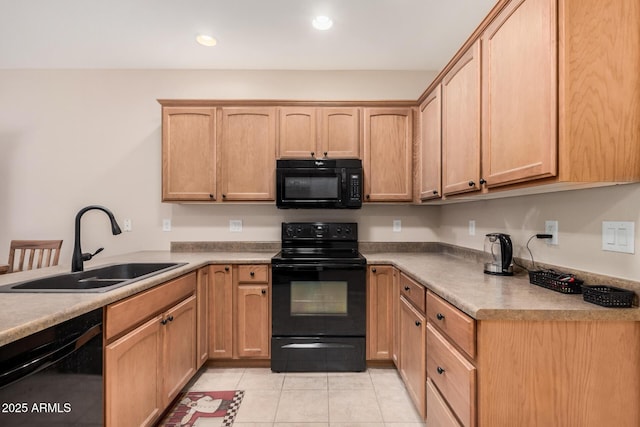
{"x": 375, "y": 398}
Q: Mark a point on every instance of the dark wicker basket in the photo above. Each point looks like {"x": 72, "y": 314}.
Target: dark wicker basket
{"x": 608, "y": 296}
{"x": 556, "y": 281}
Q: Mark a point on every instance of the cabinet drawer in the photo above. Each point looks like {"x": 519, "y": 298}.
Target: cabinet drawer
{"x": 124, "y": 315}
{"x": 438, "y": 413}
{"x": 454, "y": 376}
{"x": 458, "y": 327}
{"x": 253, "y": 273}
{"x": 413, "y": 291}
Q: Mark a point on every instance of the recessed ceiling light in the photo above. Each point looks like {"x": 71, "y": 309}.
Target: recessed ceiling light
{"x": 205, "y": 40}
{"x": 322, "y": 23}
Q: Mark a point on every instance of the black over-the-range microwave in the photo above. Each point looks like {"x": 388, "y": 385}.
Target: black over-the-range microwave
{"x": 319, "y": 184}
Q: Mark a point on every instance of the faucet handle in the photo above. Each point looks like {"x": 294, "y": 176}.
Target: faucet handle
{"x": 87, "y": 256}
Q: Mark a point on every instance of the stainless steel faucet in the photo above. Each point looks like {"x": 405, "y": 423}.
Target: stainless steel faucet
{"x": 77, "y": 262}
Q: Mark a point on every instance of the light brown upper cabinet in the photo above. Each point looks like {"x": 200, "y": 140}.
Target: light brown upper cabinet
{"x": 598, "y": 91}
{"x": 188, "y": 153}
{"x": 308, "y": 132}
{"x": 431, "y": 145}
{"x": 519, "y": 93}
{"x": 557, "y": 107}
{"x": 387, "y": 163}
{"x": 461, "y": 124}
{"x": 247, "y": 152}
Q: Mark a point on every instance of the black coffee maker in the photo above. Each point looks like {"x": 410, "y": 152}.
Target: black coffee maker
{"x": 500, "y": 250}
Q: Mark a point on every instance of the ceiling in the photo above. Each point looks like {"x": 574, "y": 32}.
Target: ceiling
{"x": 251, "y": 34}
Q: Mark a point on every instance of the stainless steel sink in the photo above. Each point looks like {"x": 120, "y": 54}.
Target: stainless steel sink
{"x": 100, "y": 279}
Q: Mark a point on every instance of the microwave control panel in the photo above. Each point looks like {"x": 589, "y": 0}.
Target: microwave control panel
{"x": 355, "y": 187}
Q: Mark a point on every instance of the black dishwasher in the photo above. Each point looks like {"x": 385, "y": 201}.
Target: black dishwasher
{"x": 54, "y": 377}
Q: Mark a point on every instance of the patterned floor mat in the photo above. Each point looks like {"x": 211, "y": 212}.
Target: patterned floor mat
{"x": 204, "y": 409}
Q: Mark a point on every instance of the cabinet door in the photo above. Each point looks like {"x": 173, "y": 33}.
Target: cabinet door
{"x": 298, "y": 133}
{"x": 519, "y": 102}
{"x": 221, "y": 312}
{"x": 178, "y": 348}
{"x": 133, "y": 377}
{"x": 247, "y": 154}
{"x": 431, "y": 146}
{"x": 395, "y": 356}
{"x": 412, "y": 353}
{"x": 202, "y": 349}
{"x": 340, "y": 133}
{"x": 461, "y": 125}
{"x": 387, "y": 154}
{"x": 188, "y": 153}
{"x": 380, "y": 322}
{"x": 252, "y": 321}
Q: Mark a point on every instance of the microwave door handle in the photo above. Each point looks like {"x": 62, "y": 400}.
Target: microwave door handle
{"x": 344, "y": 185}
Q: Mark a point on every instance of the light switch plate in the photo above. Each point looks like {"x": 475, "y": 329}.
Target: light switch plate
{"x": 472, "y": 227}
{"x": 618, "y": 236}
{"x": 397, "y": 225}
{"x": 126, "y": 225}
{"x": 166, "y": 224}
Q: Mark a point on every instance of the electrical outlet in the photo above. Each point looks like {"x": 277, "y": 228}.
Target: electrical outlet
{"x": 235, "y": 225}
{"x": 472, "y": 227}
{"x": 397, "y": 225}
{"x": 551, "y": 227}
{"x": 166, "y": 224}
{"x": 126, "y": 225}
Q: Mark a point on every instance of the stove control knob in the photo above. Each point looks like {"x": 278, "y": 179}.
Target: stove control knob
{"x": 338, "y": 230}
{"x": 347, "y": 230}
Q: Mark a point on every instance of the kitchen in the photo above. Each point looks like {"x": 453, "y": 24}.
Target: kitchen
{"x": 58, "y": 122}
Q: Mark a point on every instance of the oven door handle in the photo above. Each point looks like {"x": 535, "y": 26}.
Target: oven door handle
{"x": 36, "y": 364}
{"x": 317, "y": 345}
{"x": 323, "y": 267}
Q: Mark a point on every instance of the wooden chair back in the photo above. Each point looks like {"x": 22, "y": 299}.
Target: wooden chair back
{"x": 23, "y": 254}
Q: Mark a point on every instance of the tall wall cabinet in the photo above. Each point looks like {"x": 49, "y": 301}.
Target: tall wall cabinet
{"x": 531, "y": 103}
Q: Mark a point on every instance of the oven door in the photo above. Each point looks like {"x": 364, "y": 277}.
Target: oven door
{"x": 318, "y": 300}
{"x": 309, "y": 188}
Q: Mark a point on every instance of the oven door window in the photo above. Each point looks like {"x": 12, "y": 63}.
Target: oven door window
{"x": 313, "y": 300}
{"x": 324, "y": 298}
{"x": 311, "y": 187}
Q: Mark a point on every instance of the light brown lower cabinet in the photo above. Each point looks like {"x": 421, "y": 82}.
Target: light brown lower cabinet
{"x": 202, "y": 348}
{"x": 132, "y": 382}
{"x": 530, "y": 373}
{"x": 381, "y": 285}
{"x": 220, "y": 312}
{"x": 454, "y": 376}
{"x": 412, "y": 353}
{"x": 438, "y": 413}
{"x": 239, "y": 311}
{"x": 149, "y": 358}
{"x": 558, "y": 373}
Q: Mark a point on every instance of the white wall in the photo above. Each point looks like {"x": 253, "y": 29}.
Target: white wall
{"x": 69, "y": 138}
{"x": 579, "y": 214}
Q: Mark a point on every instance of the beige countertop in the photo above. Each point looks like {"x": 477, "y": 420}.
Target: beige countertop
{"x": 457, "y": 280}
{"x": 486, "y": 297}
